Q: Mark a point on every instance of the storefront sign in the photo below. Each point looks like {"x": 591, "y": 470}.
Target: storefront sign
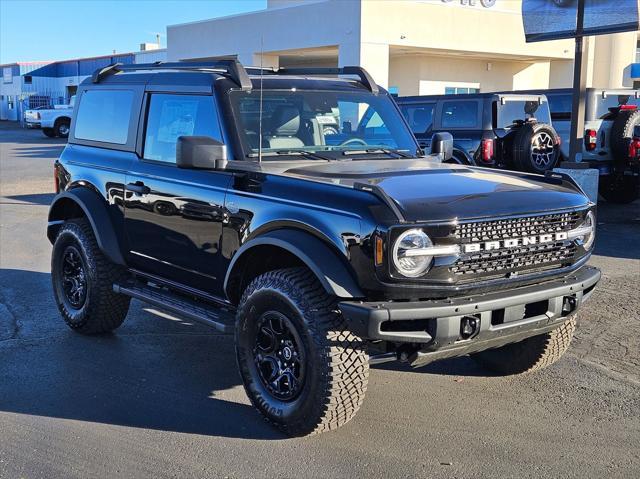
{"x": 473, "y": 3}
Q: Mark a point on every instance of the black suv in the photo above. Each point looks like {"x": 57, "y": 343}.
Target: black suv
{"x": 212, "y": 191}
{"x": 489, "y": 129}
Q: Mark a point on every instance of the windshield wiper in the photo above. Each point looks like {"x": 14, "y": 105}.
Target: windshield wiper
{"x": 305, "y": 153}
{"x": 373, "y": 151}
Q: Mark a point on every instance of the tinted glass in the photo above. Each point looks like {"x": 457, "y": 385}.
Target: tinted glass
{"x": 104, "y": 116}
{"x": 513, "y": 111}
{"x": 460, "y": 114}
{"x": 314, "y": 121}
{"x": 560, "y": 106}
{"x": 420, "y": 117}
{"x": 171, "y": 116}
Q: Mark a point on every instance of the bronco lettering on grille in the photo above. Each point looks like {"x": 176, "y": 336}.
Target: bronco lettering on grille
{"x": 515, "y": 242}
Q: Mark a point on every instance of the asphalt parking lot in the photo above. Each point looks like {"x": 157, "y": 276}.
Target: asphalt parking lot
{"x": 162, "y": 398}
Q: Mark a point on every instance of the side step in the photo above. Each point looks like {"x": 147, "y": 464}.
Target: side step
{"x": 200, "y": 311}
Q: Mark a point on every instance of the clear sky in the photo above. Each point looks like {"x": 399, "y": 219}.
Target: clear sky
{"x": 58, "y": 30}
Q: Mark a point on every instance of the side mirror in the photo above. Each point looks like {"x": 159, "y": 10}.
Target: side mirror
{"x": 200, "y": 152}
{"x": 442, "y": 144}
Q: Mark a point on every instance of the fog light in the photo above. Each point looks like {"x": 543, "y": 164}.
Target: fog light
{"x": 469, "y": 326}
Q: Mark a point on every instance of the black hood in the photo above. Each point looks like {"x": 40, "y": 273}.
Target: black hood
{"x": 424, "y": 190}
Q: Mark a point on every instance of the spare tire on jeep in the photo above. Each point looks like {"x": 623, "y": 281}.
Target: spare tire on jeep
{"x": 621, "y": 134}
{"x": 619, "y": 187}
{"x": 535, "y": 147}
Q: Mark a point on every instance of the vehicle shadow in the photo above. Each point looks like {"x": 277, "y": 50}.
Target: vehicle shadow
{"x": 463, "y": 366}
{"x": 34, "y": 199}
{"x": 151, "y": 373}
{"x": 40, "y": 152}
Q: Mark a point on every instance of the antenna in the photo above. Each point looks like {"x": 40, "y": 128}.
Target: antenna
{"x": 260, "y": 119}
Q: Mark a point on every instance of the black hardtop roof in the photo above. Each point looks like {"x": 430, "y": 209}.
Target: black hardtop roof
{"x": 513, "y": 96}
{"x": 205, "y": 74}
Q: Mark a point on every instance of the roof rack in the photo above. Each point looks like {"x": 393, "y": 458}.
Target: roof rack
{"x": 231, "y": 67}
{"x": 360, "y": 72}
{"x": 228, "y": 66}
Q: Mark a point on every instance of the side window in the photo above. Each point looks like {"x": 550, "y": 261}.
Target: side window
{"x": 459, "y": 114}
{"x": 560, "y": 106}
{"x": 420, "y": 117}
{"x": 171, "y": 116}
{"x": 104, "y": 116}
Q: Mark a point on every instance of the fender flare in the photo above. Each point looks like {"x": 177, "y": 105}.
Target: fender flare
{"x": 332, "y": 272}
{"x": 95, "y": 210}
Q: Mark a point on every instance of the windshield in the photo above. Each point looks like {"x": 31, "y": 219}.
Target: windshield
{"x": 514, "y": 111}
{"x": 330, "y": 124}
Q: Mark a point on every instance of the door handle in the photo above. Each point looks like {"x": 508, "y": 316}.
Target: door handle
{"x": 138, "y": 187}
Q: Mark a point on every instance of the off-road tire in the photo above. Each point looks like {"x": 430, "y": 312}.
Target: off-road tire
{"x": 522, "y": 147}
{"x": 61, "y": 128}
{"x": 619, "y": 188}
{"x": 529, "y": 355}
{"x": 102, "y": 310}
{"x": 49, "y": 132}
{"x": 621, "y": 134}
{"x": 337, "y": 364}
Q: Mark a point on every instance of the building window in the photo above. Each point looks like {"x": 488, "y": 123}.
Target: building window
{"x": 27, "y": 79}
{"x": 453, "y": 90}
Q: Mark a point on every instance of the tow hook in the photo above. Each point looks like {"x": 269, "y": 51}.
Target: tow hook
{"x": 569, "y": 304}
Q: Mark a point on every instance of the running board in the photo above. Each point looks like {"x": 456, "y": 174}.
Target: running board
{"x": 206, "y": 313}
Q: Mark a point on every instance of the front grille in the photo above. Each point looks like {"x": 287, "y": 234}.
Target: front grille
{"x": 530, "y": 258}
{"x": 516, "y": 227}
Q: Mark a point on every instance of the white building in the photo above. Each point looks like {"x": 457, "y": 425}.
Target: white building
{"x": 410, "y": 46}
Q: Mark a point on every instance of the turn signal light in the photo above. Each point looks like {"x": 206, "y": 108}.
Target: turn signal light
{"x": 379, "y": 251}
{"x": 487, "y": 150}
{"x": 591, "y": 140}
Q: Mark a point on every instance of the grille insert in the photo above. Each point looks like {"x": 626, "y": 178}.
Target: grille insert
{"x": 499, "y": 263}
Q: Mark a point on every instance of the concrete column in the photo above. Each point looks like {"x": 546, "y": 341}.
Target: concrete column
{"x": 374, "y": 57}
{"x": 268, "y": 60}
{"x": 612, "y": 59}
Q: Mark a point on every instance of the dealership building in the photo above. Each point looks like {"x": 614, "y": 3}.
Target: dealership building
{"x": 411, "y": 47}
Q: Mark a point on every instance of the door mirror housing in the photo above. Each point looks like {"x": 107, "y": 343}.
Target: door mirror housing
{"x": 200, "y": 152}
{"x": 442, "y": 144}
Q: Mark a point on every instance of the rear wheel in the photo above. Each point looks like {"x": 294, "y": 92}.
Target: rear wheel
{"x": 621, "y": 134}
{"x": 50, "y": 132}
{"x": 531, "y": 354}
{"x": 62, "y": 128}
{"x": 83, "y": 280}
{"x": 619, "y": 188}
{"x": 301, "y": 367}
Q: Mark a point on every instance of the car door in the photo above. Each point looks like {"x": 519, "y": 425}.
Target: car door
{"x": 174, "y": 216}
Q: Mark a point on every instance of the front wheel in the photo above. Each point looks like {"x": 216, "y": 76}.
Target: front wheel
{"x": 83, "y": 280}
{"x": 529, "y": 355}
{"x": 62, "y": 128}
{"x": 301, "y": 367}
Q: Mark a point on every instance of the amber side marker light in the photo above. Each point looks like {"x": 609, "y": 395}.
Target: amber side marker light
{"x": 379, "y": 251}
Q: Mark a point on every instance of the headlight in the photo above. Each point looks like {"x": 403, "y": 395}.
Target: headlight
{"x": 586, "y": 232}
{"x": 407, "y": 258}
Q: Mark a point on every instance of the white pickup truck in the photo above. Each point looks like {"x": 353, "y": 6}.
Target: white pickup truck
{"x": 54, "y": 121}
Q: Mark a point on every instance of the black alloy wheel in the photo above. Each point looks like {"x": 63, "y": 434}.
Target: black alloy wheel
{"x": 279, "y": 356}
{"x": 73, "y": 277}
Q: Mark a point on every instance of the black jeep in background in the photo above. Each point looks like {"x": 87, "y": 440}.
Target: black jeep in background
{"x": 214, "y": 192}
{"x": 493, "y": 130}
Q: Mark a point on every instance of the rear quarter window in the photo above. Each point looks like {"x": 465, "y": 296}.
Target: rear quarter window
{"x": 104, "y": 116}
{"x": 419, "y": 117}
{"x": 460, "y": 114}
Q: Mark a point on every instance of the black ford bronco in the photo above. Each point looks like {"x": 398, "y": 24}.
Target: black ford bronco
{"x": 494, "y": 130}
{"x": 212, "y": 191}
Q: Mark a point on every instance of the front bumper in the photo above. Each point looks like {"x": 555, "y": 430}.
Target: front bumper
{"x": 33, "y": 124}
{"x": 435, "y": 327}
